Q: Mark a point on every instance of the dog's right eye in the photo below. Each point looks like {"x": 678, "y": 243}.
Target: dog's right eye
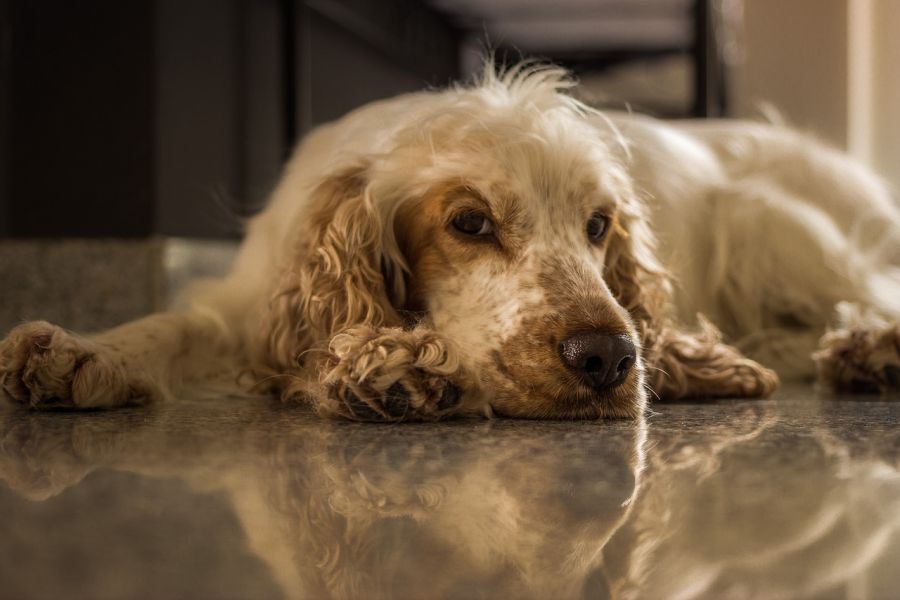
{"x": 473, "y": 224}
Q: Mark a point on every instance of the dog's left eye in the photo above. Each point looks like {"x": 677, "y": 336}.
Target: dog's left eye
{"x": 473, "y": 224}
{"x": 597, "y": 226}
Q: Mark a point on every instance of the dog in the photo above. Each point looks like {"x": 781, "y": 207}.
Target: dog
{"x": 503, "y": 249}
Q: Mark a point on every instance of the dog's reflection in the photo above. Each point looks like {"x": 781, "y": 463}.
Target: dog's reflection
{"x": 513, "y": 511}
{"x": 757, "y": 506}
{"x": 493, "y": 509}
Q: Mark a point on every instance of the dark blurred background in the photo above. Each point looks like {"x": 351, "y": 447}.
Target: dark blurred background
{"x": 126, "y": 119}
{"x": 148, "y": 120}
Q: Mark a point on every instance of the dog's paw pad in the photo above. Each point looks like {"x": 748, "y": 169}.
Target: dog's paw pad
{"x": 450, "y": 397}
{"x": 359, "y": 408}
{"x": 392, "y": 406}
{"x": 397, "y": 404}
{"x": 396, "y": 401}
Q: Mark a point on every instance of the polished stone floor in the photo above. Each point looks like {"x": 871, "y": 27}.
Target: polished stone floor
{"x": 226, "y": 497}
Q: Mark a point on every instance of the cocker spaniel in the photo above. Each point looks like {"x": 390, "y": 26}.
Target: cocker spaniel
{"x": 503, "y": 249}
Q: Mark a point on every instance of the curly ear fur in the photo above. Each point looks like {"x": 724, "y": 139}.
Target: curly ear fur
{"x": 332, "y": 333}
{"x": 337, "y": 279}
{"x": 634, "y": 275}
{"x": 680, "y": 363}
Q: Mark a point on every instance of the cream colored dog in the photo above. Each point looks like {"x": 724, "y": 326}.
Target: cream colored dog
{"x": 493, "y": 250}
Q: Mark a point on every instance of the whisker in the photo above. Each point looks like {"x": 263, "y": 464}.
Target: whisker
{"x": 663, "y": 371}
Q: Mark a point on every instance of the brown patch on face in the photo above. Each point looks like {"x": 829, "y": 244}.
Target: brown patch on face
{"x": 435, "y": 253}
{"x": 531, "y": 379}
{"x": 419, "y": 226}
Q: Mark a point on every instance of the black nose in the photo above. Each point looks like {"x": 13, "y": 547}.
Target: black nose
{"x": 602, "y": 360}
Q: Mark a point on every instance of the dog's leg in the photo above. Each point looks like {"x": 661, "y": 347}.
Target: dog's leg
{"x": 43, "y": 365}
{"x": 388, "y": 374}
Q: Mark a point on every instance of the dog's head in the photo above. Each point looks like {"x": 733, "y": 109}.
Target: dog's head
{"x": 502, "y": 216}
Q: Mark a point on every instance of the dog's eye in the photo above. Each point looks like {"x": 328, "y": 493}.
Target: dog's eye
{"x": 597, "y": 226}
{"x": 473, "y": 224}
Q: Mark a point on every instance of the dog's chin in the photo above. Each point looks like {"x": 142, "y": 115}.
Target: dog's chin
{"x": 626, "y": 401}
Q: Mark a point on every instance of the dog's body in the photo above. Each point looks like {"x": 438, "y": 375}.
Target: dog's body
{"x": 491, "y": 250}
{"x": 765, "y": 232}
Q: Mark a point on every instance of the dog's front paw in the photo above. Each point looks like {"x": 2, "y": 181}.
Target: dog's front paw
{"x": 391, "y": 375}
{"x": 45, "y": 366}
{"x": 749, "y": 379}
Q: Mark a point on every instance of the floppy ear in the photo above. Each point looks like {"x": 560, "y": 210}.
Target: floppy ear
{"x": 680, "y": 363}
{"x": 634, "y": 275}
{"x": 346, "y": 269}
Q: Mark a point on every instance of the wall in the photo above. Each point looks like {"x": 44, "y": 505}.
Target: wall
{"x": 795, "y": 57}
{"x": 885, "y": 123}
{"x": 830, "y": 67}
{"x": 81, "y": 149}
{"x": 5, "y": 98}
{"x": 219, "y": 117}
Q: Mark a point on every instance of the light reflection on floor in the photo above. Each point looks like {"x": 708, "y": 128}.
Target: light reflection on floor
{"x": 227, "y": 497}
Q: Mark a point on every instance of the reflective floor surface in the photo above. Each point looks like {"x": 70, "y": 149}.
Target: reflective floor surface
{"x": 796, "y": 497}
